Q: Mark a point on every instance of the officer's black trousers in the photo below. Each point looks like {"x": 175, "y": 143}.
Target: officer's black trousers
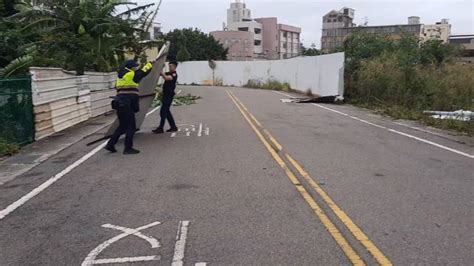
{"x": 165, "y": 112}
{"x": 127, "y": 126}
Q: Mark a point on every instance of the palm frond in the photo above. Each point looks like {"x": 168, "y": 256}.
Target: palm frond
{"x": 17, "y": 66}
{"x": 150, "y": 22}
{"x": 135, "y": 10}
{"x": 41, "y": 24}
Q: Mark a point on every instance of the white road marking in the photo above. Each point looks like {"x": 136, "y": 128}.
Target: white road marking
{"x": 428, "y": 132}
{"x": 188, "y": 134}
{"x": 127, "y": 260}
{"x": 187, "y": 129}
{"x": 90, "y": 259}
{"x": 200, "y": 264}
{"x": 153, "y": 242}
{"x": 180, "y": 243}
{"x": 200, "y": 130}
{"x": 152, "y": 111}
{"x": 12, "y": 207}
{"x": 284, "y": 94}
{"x": 207, "y": 131}
{"x": 400, "y": 133}
{"x": 391, "y": 130}
{"x": 173, "y": 135}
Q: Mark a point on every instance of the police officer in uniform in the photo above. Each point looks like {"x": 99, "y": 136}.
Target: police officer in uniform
{"x": 127, "y": 103}
{"x": 169, "y": 87}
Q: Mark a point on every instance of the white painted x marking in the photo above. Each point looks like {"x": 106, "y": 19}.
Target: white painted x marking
{"x": 91, "y": 258}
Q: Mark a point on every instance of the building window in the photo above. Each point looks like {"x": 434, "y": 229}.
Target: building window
{"x": 243, "y": 29}
{"x": 285, "y": 45}
{"x": 258, "y": 31}
{"x": 257, "y": 43}
{"x": 235, "y": 12}
{"x": 285, "y": 34}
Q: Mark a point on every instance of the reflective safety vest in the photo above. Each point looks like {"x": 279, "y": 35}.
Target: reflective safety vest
{"x": 126, "y": 84}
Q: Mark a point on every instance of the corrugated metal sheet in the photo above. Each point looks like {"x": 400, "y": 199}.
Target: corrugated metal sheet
{"x": 62, "y": 99}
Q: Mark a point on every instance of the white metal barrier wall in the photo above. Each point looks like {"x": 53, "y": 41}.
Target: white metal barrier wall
{"x": 61, "y": 99}
{"x": 323, "y": 75}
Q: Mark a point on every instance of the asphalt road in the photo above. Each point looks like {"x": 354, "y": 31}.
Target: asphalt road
{"x": 249, "y": 180}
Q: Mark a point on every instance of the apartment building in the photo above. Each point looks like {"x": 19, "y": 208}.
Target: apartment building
{"x": 338, "y": 25}
{"x": 466, "y": 41}
{"x": 270, "y": 39}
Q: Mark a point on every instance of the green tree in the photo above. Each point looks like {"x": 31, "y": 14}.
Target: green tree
{"x": 312, "y": 51}
{"x": 81, "y": 35}
{"x": 437, "y": 52}
{"x": 183, "y": 54}
{"x": 201, "y": 46}
{"x": 7, "y": 7}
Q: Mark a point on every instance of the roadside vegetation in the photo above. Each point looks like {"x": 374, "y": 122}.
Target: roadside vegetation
{"x": 7, "y": 147}
{"x": 270, "y": 84}
{"x": 87, "y": 35}
{"x": 405, "y": 77}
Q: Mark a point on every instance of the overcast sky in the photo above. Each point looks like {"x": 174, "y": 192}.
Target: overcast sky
{"x": 208, "y": 15}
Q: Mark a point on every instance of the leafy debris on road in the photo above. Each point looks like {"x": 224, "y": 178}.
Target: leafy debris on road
{"x": 178, "y": 100}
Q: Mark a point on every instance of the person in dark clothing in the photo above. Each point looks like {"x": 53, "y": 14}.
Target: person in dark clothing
{"x": 169, "y": 87}
{"x": 127, "y": 103}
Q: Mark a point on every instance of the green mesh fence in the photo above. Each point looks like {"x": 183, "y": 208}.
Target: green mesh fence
{"x": 16, "y": 111}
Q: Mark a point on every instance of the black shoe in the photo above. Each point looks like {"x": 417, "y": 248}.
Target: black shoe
{"x": 158, "y": 131}
{"x": 111, "y": 149}
{"x": 131, "y": 151}
{"x": 174, "y": 129}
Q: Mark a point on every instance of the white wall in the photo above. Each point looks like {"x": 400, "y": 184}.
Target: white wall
{"x": 323, "y": 75}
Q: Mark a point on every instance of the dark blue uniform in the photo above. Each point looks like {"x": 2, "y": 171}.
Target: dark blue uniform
{"x": 168, "y": 94}
{"x": 126, "y": 104}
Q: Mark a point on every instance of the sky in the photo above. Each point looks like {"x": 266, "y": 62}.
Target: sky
{"x": 208, "y": 15}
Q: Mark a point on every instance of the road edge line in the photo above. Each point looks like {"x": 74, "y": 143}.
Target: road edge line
{"x": 17, "y": 204}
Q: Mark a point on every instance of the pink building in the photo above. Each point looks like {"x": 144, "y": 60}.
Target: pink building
{"x": 262, "y": 38}
{"x": 280, "y": 41}
{"x": 239, "y": 43}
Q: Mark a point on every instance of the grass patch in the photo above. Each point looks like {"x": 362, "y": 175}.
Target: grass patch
{"x": 270, "y": 84}
{"x": 8, "y": 148}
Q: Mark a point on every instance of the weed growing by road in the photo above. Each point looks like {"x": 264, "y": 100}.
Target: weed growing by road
{"x": 405, "y": 77}
{"x": 270, "y": 84}
{"x": 7, "y": 148}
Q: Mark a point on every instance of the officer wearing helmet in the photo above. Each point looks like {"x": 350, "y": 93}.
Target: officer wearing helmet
{"x": 127, "y": 103}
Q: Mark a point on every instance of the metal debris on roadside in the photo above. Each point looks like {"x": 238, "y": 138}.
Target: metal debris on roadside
{"x": 324, "y": 99}
{"x": 460, "y": 115}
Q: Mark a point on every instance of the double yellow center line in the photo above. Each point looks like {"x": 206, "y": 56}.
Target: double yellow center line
{"x": 277, "y": 152}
